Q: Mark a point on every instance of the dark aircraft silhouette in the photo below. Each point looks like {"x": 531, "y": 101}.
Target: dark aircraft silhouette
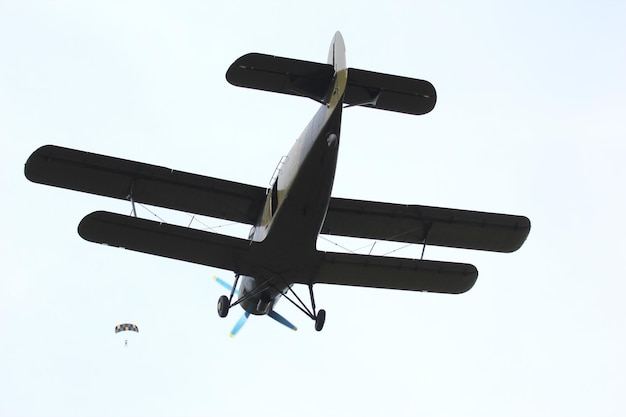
{"x": 287, "y": 217}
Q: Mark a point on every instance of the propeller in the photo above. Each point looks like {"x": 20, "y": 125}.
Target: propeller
{"x": 224, "y": 284}
{"x": 239, "y": 324}
{"x": 281, "y": 320}
{"x": 242, "y": 320}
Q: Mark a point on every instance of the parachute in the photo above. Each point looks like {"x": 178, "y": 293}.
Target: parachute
{"x": 125, "y": 327}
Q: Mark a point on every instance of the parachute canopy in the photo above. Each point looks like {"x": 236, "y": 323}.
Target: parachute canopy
{"x": 125, "y": 327}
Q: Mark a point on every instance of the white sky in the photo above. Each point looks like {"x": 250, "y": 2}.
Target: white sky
{"x": 530, "y": 120}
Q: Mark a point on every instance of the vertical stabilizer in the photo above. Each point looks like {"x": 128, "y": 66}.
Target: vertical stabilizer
{"x": 337, "y": 53}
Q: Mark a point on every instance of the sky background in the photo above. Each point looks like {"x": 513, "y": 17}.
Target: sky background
{"x": 530, "y": 120}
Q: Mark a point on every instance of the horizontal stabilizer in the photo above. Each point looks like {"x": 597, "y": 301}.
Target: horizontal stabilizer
{"x": 313, "y": 80}
{"x": 281, "y": 75}
{"x": 161, "y": 239}
{"x": 389, "y": 92}
{"x": 396, "y": 273}
{"x": 145, "y": 183}
{"x": 422, "y": 224}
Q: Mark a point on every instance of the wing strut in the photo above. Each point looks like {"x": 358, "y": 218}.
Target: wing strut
{"x": 427, "y": 228}
{"x": 131, "y": 198}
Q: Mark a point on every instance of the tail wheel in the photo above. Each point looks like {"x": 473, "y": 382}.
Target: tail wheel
{"x": 320, "y": 319}
{"x": 223, "y": 304}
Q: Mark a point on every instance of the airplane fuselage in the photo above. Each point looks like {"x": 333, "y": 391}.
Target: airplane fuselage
{"x": 287, "y": 218}
{"x": 296, "y": 203}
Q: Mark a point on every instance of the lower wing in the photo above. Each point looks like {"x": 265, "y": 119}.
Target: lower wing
{"x": 395, "y": 273}
{"x": 161, "y": 239}
{"x": 235, "y": 254}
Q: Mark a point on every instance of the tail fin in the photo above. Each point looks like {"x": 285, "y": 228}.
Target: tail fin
{"x": 337, "y": 53}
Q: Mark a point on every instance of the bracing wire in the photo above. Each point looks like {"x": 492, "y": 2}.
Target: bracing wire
{"x": 194, "y": 218}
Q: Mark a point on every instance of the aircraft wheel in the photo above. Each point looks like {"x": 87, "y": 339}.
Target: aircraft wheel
{"x": 223, "y": 304}
{"x": 320, "y": 319}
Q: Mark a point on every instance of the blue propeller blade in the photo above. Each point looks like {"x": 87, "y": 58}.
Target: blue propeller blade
{"x": 281, "y": 320}
{"x": 239, "y": 324}
{"x": 224, "y": 284}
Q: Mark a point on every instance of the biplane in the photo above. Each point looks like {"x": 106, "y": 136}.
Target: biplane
{"x": 287, "y": 217}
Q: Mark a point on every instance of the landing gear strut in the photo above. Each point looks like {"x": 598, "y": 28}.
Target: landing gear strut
{"x": 224, "y": 302}
{"x": 320, "y": 316}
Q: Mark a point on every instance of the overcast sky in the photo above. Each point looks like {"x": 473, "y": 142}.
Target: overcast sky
{"x": 530, "y": 120}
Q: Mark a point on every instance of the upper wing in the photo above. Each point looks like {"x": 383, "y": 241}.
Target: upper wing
{"x": 395, "y": 273}
{"x": 421, "y": 224}
{"x": 312, "y": 79}
{"x": 145, "y": 183}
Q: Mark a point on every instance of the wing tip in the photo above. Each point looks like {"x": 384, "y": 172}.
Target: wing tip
{"x": 32, "y": 170}
{"x": 522, "y": 227}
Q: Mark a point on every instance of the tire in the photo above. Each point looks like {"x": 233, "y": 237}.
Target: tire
{"x": 223, "y": 304}
{"x": 319, "y": 320}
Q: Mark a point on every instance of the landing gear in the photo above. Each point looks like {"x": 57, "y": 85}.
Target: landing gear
{"x": 320, "y": 316}
{"x": 223, "y": 304}
{"x": 320, "y": 319}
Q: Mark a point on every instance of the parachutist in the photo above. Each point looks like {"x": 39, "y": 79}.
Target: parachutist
{"x": 126, "y": 327}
